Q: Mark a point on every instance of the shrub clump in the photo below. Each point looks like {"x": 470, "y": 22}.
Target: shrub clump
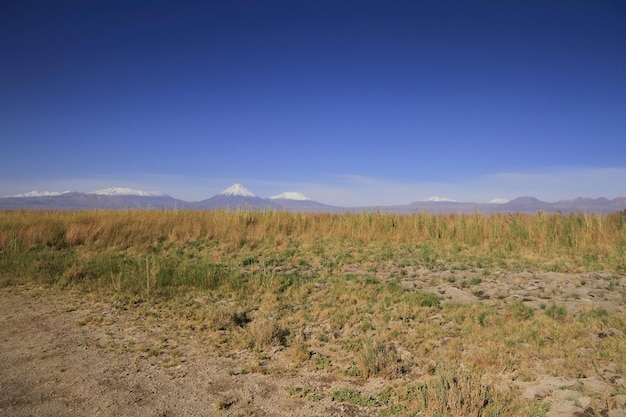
{"x": 456, "y": 392}
{"x": 519, "y": 310}
{"x": 379, "y": 359}
{"x": 264, "y": 332}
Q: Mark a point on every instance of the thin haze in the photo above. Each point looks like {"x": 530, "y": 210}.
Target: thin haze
{"x": 350, "y": 102}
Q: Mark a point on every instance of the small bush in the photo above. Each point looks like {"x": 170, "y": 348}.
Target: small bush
{"x": 475, "y": 281}
{"x": 519, "y": 310}
{"x": 298, "y": 392}
{"x": 265, "y": 332}
{"x": 322, "y": 362}
{"x": 556, "y": 312}
{"x": 456, "y": 392}
{"x": 353, "y": 396}
{"x": 596, "y": 313}
{"x": 486, "y": 317}
{"x": 249, "y": 261}
{"x": 422, "y": 298}
{"x": 353, "y": 370}
{"x": 379, "y": 359}
{"x": 224, "y": 317}
{"x": 429, "y": 300}
{"x": 300, "y": 353}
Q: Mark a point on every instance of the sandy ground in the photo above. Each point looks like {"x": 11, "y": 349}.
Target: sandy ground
{"x": 62, "y": 354}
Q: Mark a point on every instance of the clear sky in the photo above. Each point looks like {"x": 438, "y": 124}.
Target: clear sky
{"x": 349, "y": 102}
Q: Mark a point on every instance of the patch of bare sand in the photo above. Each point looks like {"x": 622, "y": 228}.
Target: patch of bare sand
{"x": 55, "y": 362}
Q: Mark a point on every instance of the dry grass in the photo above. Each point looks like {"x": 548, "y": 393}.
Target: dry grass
{"x": 379, "y": 359}
{"x": 577, "y": 238}
{"x": 332, "y": 289}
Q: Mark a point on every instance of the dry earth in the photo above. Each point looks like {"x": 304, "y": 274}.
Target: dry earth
{"x": 66, "y": 354}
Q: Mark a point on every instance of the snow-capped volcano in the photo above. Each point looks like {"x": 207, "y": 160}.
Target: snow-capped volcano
{"x": 437, "y": 199}
{"x": 237, "y": 190}
{"x": 290, "y": 195}
{"x": 41, "y": 194}
{"x": 128, "y": 191}
{"x": 234, "y": 197}
{"x": 238, "y": 197}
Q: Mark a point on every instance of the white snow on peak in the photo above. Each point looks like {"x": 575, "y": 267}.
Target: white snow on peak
{"x": 237, "y": 190}
{"x": 437, "y": 199}
{"x": 128, "y": 191}
{"x": 41, "y": 194}
{"x": 499, "y": 201}
{"x": 290, "y": 195}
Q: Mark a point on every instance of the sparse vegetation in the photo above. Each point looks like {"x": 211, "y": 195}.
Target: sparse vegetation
{"x": 519, "y": 310}
{"x": 353, "y": 396}
{"x": 339, "y": 295}
{"x": 380, "y": 359}
{"x": 454, "y": 392}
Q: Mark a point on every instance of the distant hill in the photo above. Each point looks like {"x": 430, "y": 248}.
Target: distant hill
{"x": 239, "y": 197}
{"x": 111, "y": 198}
{"x": 528, "y": 205}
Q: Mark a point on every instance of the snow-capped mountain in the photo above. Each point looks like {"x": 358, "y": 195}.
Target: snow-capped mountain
{"x": 112, "y": 191}
{"x": 41, "y": 194}
{"x": 233, "y": 198}
{"x": 128, "y": 191}
{"x": 437, "y": 199}
{"x": 295, "y": 201}
{"x": 239, "y": 197}
{"x": 110, "y": 198}
{"x": 238, "y": 190}
{"x": 290, "y": 195}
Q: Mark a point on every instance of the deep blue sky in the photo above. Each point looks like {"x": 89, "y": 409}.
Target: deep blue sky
{"x": 349, "y": 102}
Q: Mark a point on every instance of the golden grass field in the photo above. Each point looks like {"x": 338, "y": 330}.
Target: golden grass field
{"x": 341, "y": 314}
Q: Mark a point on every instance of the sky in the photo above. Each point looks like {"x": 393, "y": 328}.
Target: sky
{"x": 354, "y": 102}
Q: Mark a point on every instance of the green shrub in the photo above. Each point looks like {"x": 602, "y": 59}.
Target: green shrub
{"x": 556, "y": 312}
{"x": 353, "y": 396}
{"x": 519, "y": 310}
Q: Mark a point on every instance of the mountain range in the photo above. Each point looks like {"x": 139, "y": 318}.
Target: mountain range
{"x": 239, "y": 197}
